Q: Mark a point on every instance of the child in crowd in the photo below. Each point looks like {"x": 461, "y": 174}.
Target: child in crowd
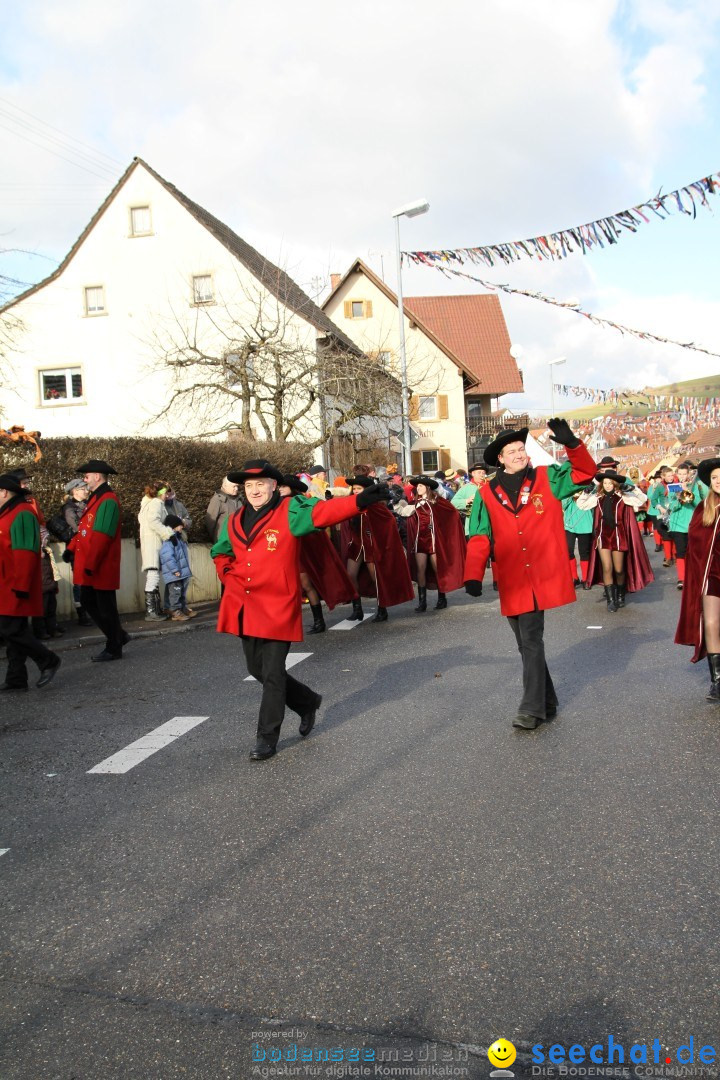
{"x": 175, "y": 570}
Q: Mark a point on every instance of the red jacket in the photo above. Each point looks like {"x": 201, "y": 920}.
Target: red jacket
{"x": 20, "y": 559}
{"x": 703, "y": 557}
{"x": 261, "y": 573}
{"x": 450, "y": 547}
{"x": 529, "y": 545}
{"x": 96, "y": 544}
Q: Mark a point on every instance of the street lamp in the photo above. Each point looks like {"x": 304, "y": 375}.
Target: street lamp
{"x": 413, "y": 209}
{"x": 551, "y": 365}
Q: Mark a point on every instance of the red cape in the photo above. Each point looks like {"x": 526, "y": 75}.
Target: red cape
{"x": 394, "y": 584}
{"x": 322, "y": 564}
{"x": 638, "y": 572}
{"x": 702, "y": 541}
{"x": 450, "y": 547}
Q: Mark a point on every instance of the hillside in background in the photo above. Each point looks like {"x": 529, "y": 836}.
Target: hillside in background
{"x": 708, "y": 386}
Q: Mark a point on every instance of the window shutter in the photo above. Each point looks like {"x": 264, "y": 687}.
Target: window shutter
{"x": 347, "y": 309}
{"x": 443, "y": 412}
{"x": 368, "y": 309}
{"x": 416, "y": 459}
{"x": 414, "y": 407}
{"x": 444, "y": 459}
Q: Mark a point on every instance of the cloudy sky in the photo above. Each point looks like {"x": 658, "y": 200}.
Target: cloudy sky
{"x": 304, "y": 125}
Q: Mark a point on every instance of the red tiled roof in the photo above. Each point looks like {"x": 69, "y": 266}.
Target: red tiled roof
{"x": 473, "y": 328}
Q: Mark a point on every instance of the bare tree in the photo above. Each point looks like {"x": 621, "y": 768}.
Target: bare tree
{"x": 256, "y": 366}
{"x": 11, "y": 327}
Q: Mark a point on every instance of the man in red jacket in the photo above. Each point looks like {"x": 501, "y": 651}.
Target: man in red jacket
{"x": 21, "y": 587}
{"x": 520, "y": 513}
{"x": 257, "y": 557}
{"x": 95, "y": 554}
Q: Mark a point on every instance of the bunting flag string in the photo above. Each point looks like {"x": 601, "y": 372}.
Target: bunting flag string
{"x": 643, "y": 335}
{"x": 603, "y": 232}
{"x": 697, "y": 409}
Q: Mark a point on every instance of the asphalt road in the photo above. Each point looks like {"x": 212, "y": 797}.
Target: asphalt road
{"x": 415, "y": 879}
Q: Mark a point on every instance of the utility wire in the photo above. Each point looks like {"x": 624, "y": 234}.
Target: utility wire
{"x": 100, "y": 153}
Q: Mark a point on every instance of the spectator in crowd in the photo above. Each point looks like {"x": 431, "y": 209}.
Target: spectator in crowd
{"x": 73, "y": 508}
{"x": 317, "y": 482}
{"x": 153, "y": 531}
{"x": 45, "y": 626}
{"x": 223, "y": 503}
{"x": 175, "y": 569}
{"x": 177, "y": 508}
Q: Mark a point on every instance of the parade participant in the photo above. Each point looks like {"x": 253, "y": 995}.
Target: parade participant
{"x": 21, "y": 588}
{"x": 444, "y": 490}
{"x": 257, "y": 556}
{"x": 660, "y": 501}
{"x": 641, "y": 514}
{"x": 578, "y": 530}
{"x": 699, "y": 622}
{"x": 322, "y": 574}
{"x": 95, "y": 554}
{"x": 374, "y": 556}
{"x": 618, "y": 557}
{"x": 652, "y": 513}
{"x": 607, "y": 463}
{"x": 519, "y": 512}
{"x": 24, "y": 478}
{"x": 153, "y": 534}
{"x": 435, "y": 542}
{"x": 317, "y": 482}
{"x": 463, "y": 498}
{"x": 681, "y": 506}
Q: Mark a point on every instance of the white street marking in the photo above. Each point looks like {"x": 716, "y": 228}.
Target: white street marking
{"x": 292, "y": 659}
{"x": 155, "y": 740}
{"x": 348, "y": 624}
{"x": 4, "y": 850}
{"x": 594, "y": 627}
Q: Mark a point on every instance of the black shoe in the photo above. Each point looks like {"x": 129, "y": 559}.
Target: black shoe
{"x": 6, "y": 686}
{"x": 318, "y": 626}
{"x": 381, "y": 615}
{"x": 550, "y": 712}
{"x": 658, "y": 547}
{"x": 83, "y": 618}
{"x": 441, "y": 601}
{"x": 713, "y": 693}
{"x": 357, "y": 612}
{"x": 104, "y": 657}
{"x": 525, "y": 721}
{"x": 587, "y": 586}
{"x": 495, "y": 586}
{"x": 620, "y": 591}
{"x": 307, "y": 720}
{"x": 679, "y": 585}
{"x": 48, "y": 674}
{"x": 125, "y": 639}
{"x": 262, "y": 751}
{"x": 610, "y": 598}
{"x": 422, "y": 599}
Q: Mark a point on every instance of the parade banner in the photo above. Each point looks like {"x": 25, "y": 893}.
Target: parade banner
{"x": 580, "y": 239}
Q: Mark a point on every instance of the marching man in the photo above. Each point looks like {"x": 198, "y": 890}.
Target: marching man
{"x": 257, "y": 557}
{"x": 520, "y": 513}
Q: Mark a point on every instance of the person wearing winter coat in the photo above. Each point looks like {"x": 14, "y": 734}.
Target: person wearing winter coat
{"x": 173, "y": 505}
{"x": 223, "y": 503}
{"x": 73, "y": 508}
{"x": 175, "y": 569}
{"x": 153, "y": 531}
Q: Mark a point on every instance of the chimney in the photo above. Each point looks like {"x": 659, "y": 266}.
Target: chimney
{"x": 335, "y": 280}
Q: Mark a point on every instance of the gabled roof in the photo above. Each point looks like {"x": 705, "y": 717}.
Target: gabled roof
{"x": 275, "y": 280}
{"x": 470, "y": 330}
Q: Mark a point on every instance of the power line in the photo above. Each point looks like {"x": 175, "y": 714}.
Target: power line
{"x": 19, "y": 135}
{"x": 72, "y": 138}
{"x": 77, "y": 155}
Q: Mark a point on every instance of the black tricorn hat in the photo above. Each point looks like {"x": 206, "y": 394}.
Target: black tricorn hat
{"x": 361, "y": 481}
{"x": 610, "y": 474}
{"x": 295, "y": 484}
{"x": 504, "y": 439}
{"x": 607, "y": 460}
{"x": 98, "y": 466}
{"x": 704, "y": 469}
{"x": 426, "y": 480}
{"x": 8, "y": 482}
{"x": 478, "y": 465}
{"x": 257, "y": 469}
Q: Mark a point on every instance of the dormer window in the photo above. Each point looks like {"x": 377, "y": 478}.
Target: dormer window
{"x": 358, "y": 309}
{"x": 140, "y": 221}
{"x": 203, "y": 289}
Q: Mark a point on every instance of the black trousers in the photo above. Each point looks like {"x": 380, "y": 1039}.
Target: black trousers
{"x": 21, "y": 645}
{"x": 538, "y": 690}
{"x": 101, "y": 606}
{"x": 680, "y": 540}
{"x": 266, "y": 663}
{"x": 584, "y": 543}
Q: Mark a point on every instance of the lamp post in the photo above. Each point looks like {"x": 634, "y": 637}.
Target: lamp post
{"x": 551, "y": 365}
{"x": 411, "y": 210}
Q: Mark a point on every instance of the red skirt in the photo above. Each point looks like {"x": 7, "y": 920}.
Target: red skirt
{"x": 614, "y": 539}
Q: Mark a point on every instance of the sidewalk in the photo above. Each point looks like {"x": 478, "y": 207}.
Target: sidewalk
{"x": 77, "y": 637}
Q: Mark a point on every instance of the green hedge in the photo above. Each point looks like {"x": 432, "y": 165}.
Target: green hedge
{"x": 194, "y": 467}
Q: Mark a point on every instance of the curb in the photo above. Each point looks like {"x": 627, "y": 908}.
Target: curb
{"x": 60, "y": 645}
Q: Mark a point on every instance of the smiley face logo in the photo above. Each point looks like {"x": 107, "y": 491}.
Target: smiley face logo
{"x": 502, "y": 1053}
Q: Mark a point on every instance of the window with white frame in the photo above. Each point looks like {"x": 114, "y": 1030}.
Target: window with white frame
{"x": 95, "y": 300}
{"x": 429, "y": 462}
{"x": 140, "y": 221}
{"x": 427, "y": 408}
{"x": 58, "y": 385}
{"x": 203, "y": 289}
{"x": 384, "y": 358}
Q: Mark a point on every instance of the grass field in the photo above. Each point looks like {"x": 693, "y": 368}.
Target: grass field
{"x": 706, "y": 387}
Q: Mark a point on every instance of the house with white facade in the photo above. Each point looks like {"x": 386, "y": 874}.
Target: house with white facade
{"x": 458, "y": 361}
{"x": 154, "y": 279}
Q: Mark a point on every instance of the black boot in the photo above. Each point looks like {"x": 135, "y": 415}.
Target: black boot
{"x": 422, "y": 599}
{"x": 713, "y": 693}
{"x": 318, "y": 626}
{"x": 620, "y": 591}
{"x": 82, "y": 616}
{"x": 610, "y": 597}
{"x": 441, "y": 601}
{"x": 380, "y": 615}
{"x": 357, "y": 611}
{"x": 151, "y": 612}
